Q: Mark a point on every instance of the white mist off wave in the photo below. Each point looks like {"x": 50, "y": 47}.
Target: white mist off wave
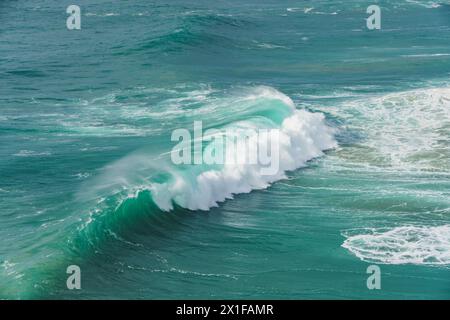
{"x": 402, "y": 245}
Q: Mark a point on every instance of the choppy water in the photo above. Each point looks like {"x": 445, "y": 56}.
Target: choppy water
{"x": 85, "y": 123}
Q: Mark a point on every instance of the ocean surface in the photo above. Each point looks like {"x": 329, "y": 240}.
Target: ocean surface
{"x": 86, "y": 118}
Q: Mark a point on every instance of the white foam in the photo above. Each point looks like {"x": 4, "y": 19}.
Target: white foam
{"x": 408, "y": 129}
{"x": 31, "y": 153}
{"x": 402, "y": 245}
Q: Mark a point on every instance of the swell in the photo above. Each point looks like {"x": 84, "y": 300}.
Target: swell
{"x": 206, "y": 30}
{"x": 138, "y": 190}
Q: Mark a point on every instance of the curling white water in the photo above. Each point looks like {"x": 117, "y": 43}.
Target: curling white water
{"x": 302, "y": 136}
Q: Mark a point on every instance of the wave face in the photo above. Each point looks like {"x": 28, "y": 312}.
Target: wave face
{"x": 402, "y": 245}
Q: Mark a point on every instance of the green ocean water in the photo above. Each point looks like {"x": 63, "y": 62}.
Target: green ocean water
{"x": 86, "y": 118}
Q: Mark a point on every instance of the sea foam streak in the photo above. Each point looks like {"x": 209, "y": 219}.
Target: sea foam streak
{"x": 402, "y": 245}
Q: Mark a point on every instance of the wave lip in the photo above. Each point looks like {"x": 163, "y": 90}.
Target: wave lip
{"x": 419, "y": 245}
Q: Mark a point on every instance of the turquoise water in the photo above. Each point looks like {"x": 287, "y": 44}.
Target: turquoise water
{"x": 86, "y": 118}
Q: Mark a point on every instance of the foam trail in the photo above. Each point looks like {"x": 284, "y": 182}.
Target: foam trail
{"x": 402, "y": 245}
